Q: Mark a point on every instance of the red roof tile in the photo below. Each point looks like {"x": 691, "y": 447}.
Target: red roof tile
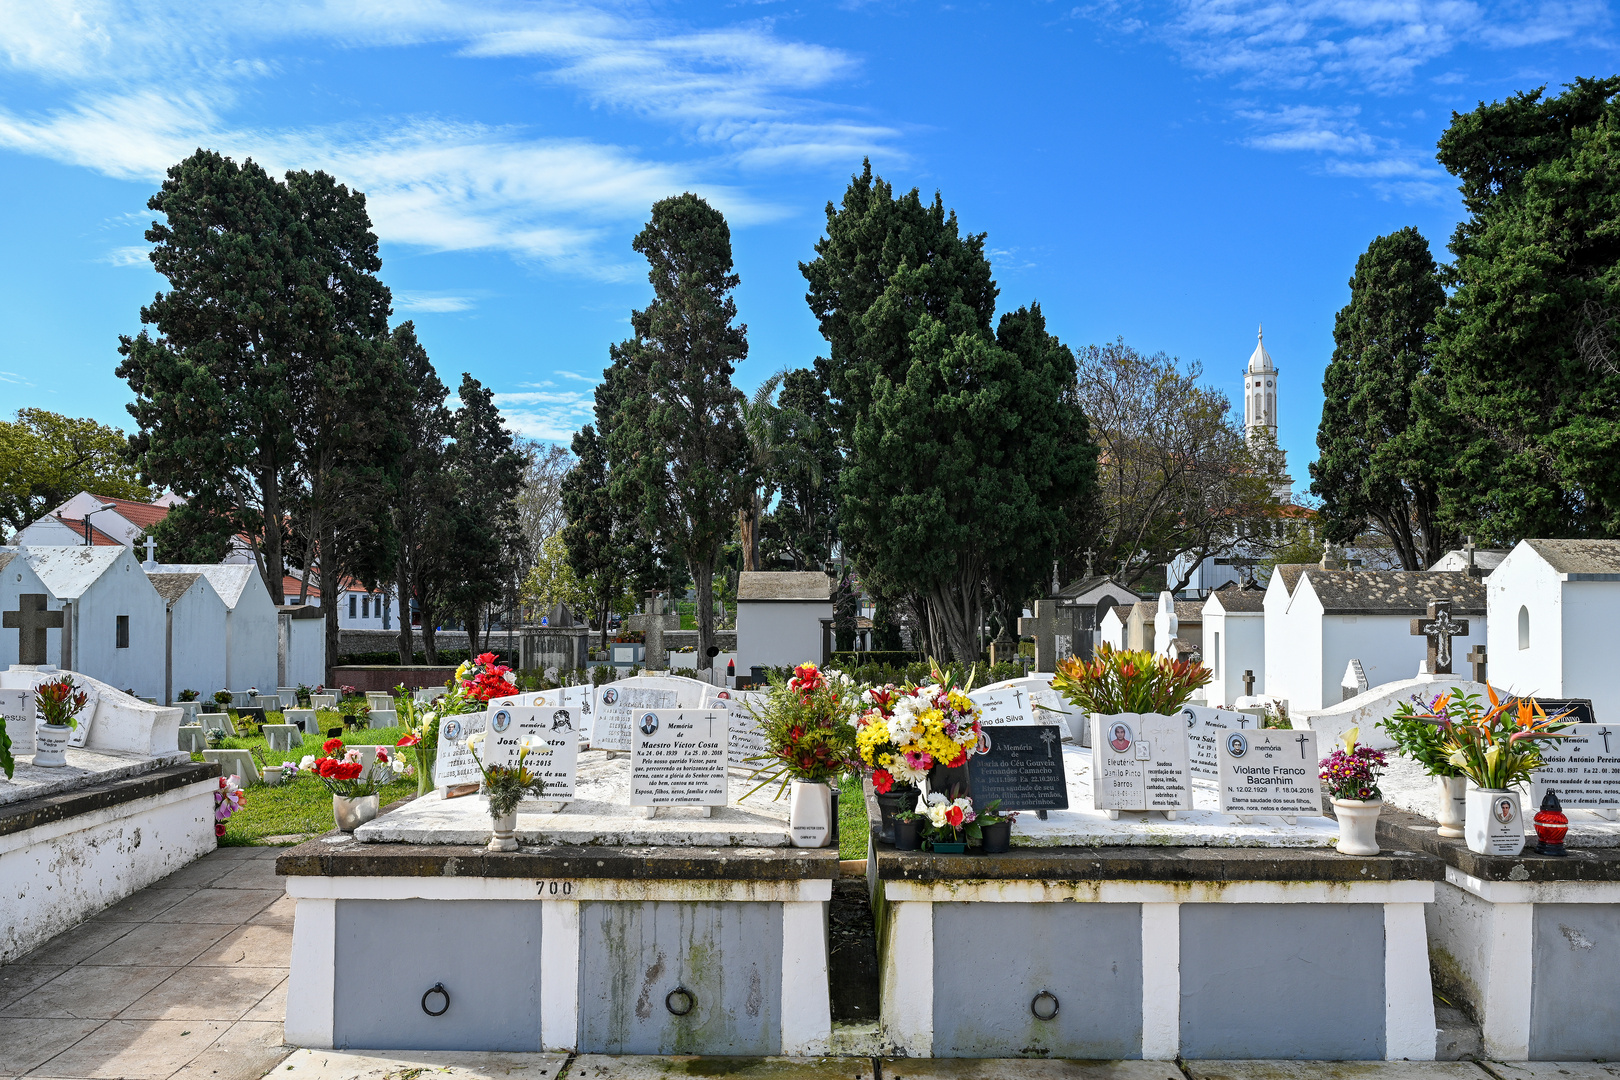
{"x": 143, "y": 515}
{"x": 97, "y": 537}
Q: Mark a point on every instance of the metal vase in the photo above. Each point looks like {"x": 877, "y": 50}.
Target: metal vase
{"x": 350, "y": 814}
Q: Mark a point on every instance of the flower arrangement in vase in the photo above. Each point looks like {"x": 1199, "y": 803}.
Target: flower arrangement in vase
{"x": 228, "y": 799}
{"x": 353, "y": 786}
{"x": 919, "y": 735}
{"x": 186, "y": 695}
{"x": 894, "y": 781}
{"x": 1127, "y": 681}
{"x": 420, "y": 743}
{"x": 483, "y": 678}
{"x": 806, "y": 722}
{"x": 222, "y": 698}
{"x": 505, "y": 786}
{"x": 1497, "y": 749}
{"x": 1419, "y": 728}
{"x": 952, "y": 823}
{"x": 995, "y": 828}
{"x": 1351, "y": 774}
{"x": 59, "y": 702}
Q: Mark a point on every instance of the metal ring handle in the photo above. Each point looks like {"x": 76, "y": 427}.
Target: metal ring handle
{"x": 1044, "y": 1005}
{"x": 436, "y": 988}
{"x": 685, "y": 995}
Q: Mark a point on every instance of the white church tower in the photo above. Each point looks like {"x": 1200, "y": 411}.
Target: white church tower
{"x": 1260, "y": 393}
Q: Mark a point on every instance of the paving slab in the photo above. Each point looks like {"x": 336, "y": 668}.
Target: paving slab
{"x": 17, "y": 980}
{"x": 610, "y": 1067}
{"x": 252, "y": 874}
{"x": 211, "y": 905}
{"x": 145, "y": 905}
{"x": 247, "y": 1051}
{"x": 206, "y": 993}
{"x": 1335, "y": 1070}
{"x": 280, "y": 912}
{"x": 133, "y": 1050}
{"x": 442, "y": 1064}
{"x": 1026, "y": 1069}
{"x": 89, "y": 992}
{"x": 253, "y": 945}
{"x": 28, "y": 1043}
{"x": 78, "y": 944}
{"x": 1551, "y": 1070}
{"x": 157, "y": 944}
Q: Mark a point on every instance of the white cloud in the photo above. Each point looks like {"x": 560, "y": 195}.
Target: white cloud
{"x": 539, "y": 414}
{"x": 133, "y": 255}
{"x": 431, "y": 303}
{"x": 14, "y": 378}
{"x": 1335, "y": 135}
{"x": 592, "y": 379}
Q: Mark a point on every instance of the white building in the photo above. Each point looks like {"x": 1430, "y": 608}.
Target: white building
{"x": 251, "y": 628}
{"x": 779, "y": 617}
{"x": 1553, "y": 605}
{"x": 114, "y": 618}
{"x": 1317, "y": 621}
{"x": 194, "y": 635}
{"x": 1083, "y": 605}
{"x": 1235, "y": 639}
{"x": 1111, "y": 627}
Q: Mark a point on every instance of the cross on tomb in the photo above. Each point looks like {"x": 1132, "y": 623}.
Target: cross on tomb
{"x": 1043, "y": 628}
{"x": 31, "y": 620}
{"x": 1439, "y": 628}
{"x": 1302, "y": 740}
{"x": 1248, "y": 683}
{"x": 1090, "y": 555}
{"x": 1018, "y": 699}
{"x": 1476, "y": 656}
{"x": 1048, "y": 737}
{"x": 1473, "y": 571}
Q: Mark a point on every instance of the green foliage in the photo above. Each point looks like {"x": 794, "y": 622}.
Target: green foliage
{"x": 47, "y": 458}
{"x": 1421, "y": 740}
{"x": 1377, "y": 462}
{"x": 848, "y": 660}
{"x": 1129, "y": 681}
{"x": 1527, "y": 359}
{"x": 423, "y": 511}
{"x": 551, "y": 580}
{"x": 7, "y": 762}
{"x": 607, "y": 553}
{"x": 485, "y": 467}
{"x": 854, "y": 832}
{"x": 677, "y": 453}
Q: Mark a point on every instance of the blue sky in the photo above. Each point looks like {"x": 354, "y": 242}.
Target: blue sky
{"x": 1173, "y": 174}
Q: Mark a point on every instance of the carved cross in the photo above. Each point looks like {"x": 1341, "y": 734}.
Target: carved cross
{"x": 1248, "y": 683}
{"x": 1043, "y": 628}
{"x": 1439, "y": 628}
{"x": 1476, "y": 656}
{"x": 1090, "y": 555}
{"x": 31, "y": 620}
{"x": 1048, "y": 737}
{"x": 1302, "y": 740}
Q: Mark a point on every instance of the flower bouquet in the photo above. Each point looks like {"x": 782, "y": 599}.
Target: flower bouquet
{"x": 228, "y": 799}
{"x": 420, "y": 743}
{"x": 1419, "y": 728}
{"x": 932, "y": 728}
{"x": 1351, "y": 774}
{"x": 222, "y": 698}
{"x": 505, "y": 786}
{"x": 353, "y": 786}
{"x": 186, "y": 695}
{"x": 481, "y": 680}
{"x": 59, "y": 703}
{"x": 1125, "y": 681}
{"x": 810, "y": 741}
{"x": 952, "y": 823}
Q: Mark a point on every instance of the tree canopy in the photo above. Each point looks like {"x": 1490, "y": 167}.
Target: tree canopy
{"x": 47, "y": 458}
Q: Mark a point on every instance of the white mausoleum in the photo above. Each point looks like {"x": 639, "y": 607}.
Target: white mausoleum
{"x": 1552, "y": 605}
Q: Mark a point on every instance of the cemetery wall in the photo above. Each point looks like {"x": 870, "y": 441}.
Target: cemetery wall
{"x": 196, "y": 643}
{"x": 306, "y": 652}
{"x": 363, "y": 641}
{"x": 381, "y": 678}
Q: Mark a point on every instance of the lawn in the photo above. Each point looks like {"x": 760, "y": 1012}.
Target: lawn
{"x": 853, "y": 829}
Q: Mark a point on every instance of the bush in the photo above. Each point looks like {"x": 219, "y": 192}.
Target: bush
{"x": 390, "y": 658}
{"x": 845, "y": 661}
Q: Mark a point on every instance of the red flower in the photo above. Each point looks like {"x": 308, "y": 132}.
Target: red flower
{"x": 486, "y": 659}
{"x": 408, "y": 740}
{"x": 953, "y": 817}
{"x": 331, "y": 746}
{"x": 346, "y": 770}
{"x": 882, "y": 781}
{"x": 795, "y": 733}
{"x": 961, "y": 759}
{"x": 219, "y": 829}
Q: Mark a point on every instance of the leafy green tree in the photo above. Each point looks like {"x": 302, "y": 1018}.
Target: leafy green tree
{"x": 803, "y": 524}
{"x": 487, "y": 470}
{"x": 762, "y": 427}
{"x": 1528, "y": 349}
{"x": 972, "y": 466}
{"x": 188, "y": 535}
{"x": 551, "y": 580}
{"x": 1378, "y": 464}
{"x": 677, "y": 451}
{"x": 47, "y": 458}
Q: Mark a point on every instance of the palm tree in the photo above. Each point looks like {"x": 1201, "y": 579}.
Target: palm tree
{"x": 759, "y": 420}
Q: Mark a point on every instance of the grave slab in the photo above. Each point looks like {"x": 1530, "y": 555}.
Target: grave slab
{"x": 304, "y": 717}
{"x": 382, "y": 718}
{"x": 619, "y": 1067}
{"x": 193, "y": 739}
{"x": 1026, "y": 1069}
{"x": 445, "y": 1065}
{"x": 234, "y": 762}
{"x": 283, "y": 736}
{"x": 217, "y": 721}
{"x": 1336, "y": 1070}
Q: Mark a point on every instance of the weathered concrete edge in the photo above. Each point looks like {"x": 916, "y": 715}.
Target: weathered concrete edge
{"x": 318, "y": 858}
{"x": 1417, "y": 833}
{"x": 1189, "y": 864}
{"x": 32, "y": 813}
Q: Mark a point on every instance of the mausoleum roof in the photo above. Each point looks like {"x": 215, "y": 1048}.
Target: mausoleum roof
{"x": 1095, "y": 583}
{"x": 1486, "y": 559}
{"x": 1290, "y": 573}
{"x": 172, "y": 586}
{"x": 1235, "y": 599}
{"x": 1395, "y": 592}
{"x": 1579, "y": 556}
{"x": 228, "y": 579}
{"x": 784, "y": 585}
{"x": 68, "y": 571}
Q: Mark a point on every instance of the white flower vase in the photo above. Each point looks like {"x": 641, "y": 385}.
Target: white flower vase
{"x": 1495, "y": 822}
{"x": 1450, "y": 803}
{"x": 810, "y": 814}
{"x": 1358, "y": 825}
{"x": 351, "y": 813}
{"x": 50, "y": 745}
{"x": 502, "y": 826}
{"x": 271, "y": 775}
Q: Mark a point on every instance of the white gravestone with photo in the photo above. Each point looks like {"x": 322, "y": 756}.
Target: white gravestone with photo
{"x": 1270, "y": 771}
{"x": 1205, "y": 726}
{"x": 1140, "y": 762}
{"x": 1584, "y": 769}
{"x": 616, "y": 702}
{"x": 14, "y": 704}
{"x": 678, "y": 758}
{"x": 454, "y": 762}
{"x": 554, "y": 746}
{"x": 1044, "y": 704}
{"x": 745, "y": 741}
{"x": 1000, "y": 706}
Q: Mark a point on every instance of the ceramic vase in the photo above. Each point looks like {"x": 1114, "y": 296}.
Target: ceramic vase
{"x": 271, "y": 774}
{"x": 50, "y": 745}
{"x": 1450, "y": 803}
{"x": 907, "y": 835}
{"x": 996, "y": 837}
{"x": 1358, "y": 825}
{"x": 810, "y": 813}
{"x": 350, "y": 814}
{"x": 502, "y": 826}
{"x": 1495, "y": 822}
{"x": 889, "y": 802}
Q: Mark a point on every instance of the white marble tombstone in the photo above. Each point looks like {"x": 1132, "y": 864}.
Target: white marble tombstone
{"x": 1140, "y": 762}
{"x": 1270, "y": 771}
{"x": 679, "y": 758}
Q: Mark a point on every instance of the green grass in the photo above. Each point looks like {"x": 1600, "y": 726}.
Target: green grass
{"x": 852, "y": 825}
{"x": 302, "y": 806}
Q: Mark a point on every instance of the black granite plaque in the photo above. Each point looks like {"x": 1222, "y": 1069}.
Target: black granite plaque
{"x": 1579, "y": 709}
{"x": 254, "y": 714}
{"x": 1023, "y": 768}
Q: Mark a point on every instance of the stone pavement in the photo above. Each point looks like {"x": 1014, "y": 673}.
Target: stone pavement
{"x": 185, "y": 979}
{"x": 188, "y": 979}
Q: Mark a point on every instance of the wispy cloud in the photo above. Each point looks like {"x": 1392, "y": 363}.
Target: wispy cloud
{"x": 542, "y": 414}
{"x": 132, "y": 255}
{"x": 592, "y": 379}
{"x": 1335, "y": 135}
{"x": 431, "y": 303}
{"x": 14, "y": 378}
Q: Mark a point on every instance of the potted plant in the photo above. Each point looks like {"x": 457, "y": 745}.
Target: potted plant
{"x": 1497, "y": 749}
{"x": 302, "y": 696}
{"x": 894, "y": 780}
{"x": 216, "y": 738}
{"x": 1419, "y": 730}
{"x": 809, "y": 739}
{"x": 952, "y": 824}
{"x": 995, "y": 828}
{"x": 272, "y": 775}
{"x": 222, "y": 698}
{"x": 505, "y": 786}
{"x": 1351, "y": 774}
{"x": 186, "y": 695}
{"x": 1118, "y": 681}
{"x": 59, "y": 703}
{"x": 353, "y": 786}
{"x": 907, "y": 830}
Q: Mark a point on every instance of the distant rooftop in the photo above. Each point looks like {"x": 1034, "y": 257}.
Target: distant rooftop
{"x": 1395, "y": 592}
{"x": 1579, "y": 556}
{"x": 784, "y": 585}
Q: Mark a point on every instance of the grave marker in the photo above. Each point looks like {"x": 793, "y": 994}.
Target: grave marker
{"x": 454, "y": 762}
{"x": 1583, "y": 769}
{"x": 1022, "y": 766}
{"x": 1043, "y": 627}
{"x": 1476, "y": 657}
{"x": 1439, "y": 628}
{"x": 1205, "y": 728}
{"x": 31, "y": 620}
{"x": 615, "y": 702}
{"x": 555, "y": 758}
{"x": 744, "y": 739}
{"x": 14, "y": 705}
{"x": 287, "y": 737}
{"x": 679, "y": 758}
{"x": 1270, "y": 772}
{"x": 1140, "y": 762}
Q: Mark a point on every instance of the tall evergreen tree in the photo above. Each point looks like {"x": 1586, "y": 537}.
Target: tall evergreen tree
{"x": 678, "y": 452}
{"x": 424, "y": 500}
{"x": 1377, "y": 464}
{"x": 1528, "y": 352}
{"x": 803, "y": 525}
{"x": 487, "y": 472}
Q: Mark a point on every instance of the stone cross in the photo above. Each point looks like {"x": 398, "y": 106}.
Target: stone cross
{"x": 1473, "y": 571}
{"x": 1476, "y": 656}
{"x": 1248, "y": 683}
{"x": 151, "y": 556}
{"x": 1090, "y": 555}
{"x": 1439, "y": 628}
{"x": 1044, "y": 629}
{"x": 31, "y": 620}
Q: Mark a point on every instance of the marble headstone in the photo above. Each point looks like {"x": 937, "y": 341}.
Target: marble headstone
{"x": 1205, "y": 726}
{"x": 15, "y": 705}
{"x": 454, "y": 763}
{"x": 678, "y": 758}
{"x": 1583, "y": 769}
{"x": 1140, "y": 762}
{"x": 745, "y": 741}
{"x": 1270, "y": 771}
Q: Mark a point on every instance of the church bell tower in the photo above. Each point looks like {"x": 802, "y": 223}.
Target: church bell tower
{"x": 1260, "y": 393}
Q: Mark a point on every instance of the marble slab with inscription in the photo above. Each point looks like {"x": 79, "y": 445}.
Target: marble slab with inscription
{"x": 615, "y": 702}
{"x": 1141, "y": 761}
{"x": 746, "y": 742}
{"x": 1271, "y": 771}
{"x": 679, "y": 757}
{"x": 1205, "y": 726}
{"x": 1584, "y": 769}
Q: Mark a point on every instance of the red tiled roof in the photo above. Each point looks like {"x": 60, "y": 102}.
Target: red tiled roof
{"x": 97, "y": 537}
{"x": 144, "y": 515}
{"x": 290, "y": 586}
